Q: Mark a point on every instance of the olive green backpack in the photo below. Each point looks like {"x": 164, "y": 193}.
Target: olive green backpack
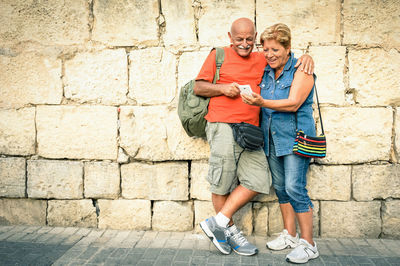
{"x": 193, "y": 108}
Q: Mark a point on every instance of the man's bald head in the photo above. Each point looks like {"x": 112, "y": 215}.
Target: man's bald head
{"x": 242, "y": 24}
{"x": 243, "y": 36}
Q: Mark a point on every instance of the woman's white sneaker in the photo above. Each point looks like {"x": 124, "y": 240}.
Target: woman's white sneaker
{"x": 303, "y": 252}
{"x": 284, "y": 240}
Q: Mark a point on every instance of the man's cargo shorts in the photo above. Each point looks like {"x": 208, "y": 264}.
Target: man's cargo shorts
{"x": 230, "y": 165}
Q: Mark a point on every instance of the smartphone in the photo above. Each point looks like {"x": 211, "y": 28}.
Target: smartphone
{"x": 245, "y": 89}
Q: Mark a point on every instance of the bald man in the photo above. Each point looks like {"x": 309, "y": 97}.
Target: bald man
{"x": 235, "y": 174}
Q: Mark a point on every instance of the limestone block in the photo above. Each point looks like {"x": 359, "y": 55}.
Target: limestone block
{"x": 172, "y": 216}
{"x": 180, "y": 144}
{"x": 397, "y": 132}
{"x": 161, "y": 181}
{"x": 275, "y": 222}
{"x": 17, "y": 131}
{"x": 199, "y": 186}
{"x": 202, "y": 211}
{"x": 152, "y": 76}
{"x": 29, "y": 78}
{"x": 76, "y": 213}
{"x": 102, "y": 180}
{"x": 125, "y": 214}
{"x": 189, "y": 65}
{"x": 55, "y": 179}
{"x": 47, "y": 22}
{"x": 329, "y": 182}
{"x": 356, "y": 135}
{"x": 12, "y": 177}
{"x": 350, "y": 219}
{"x": 100, "y": 77}
{"x": 154, "y": 133}
{"x": 77, "y": 132}
{"x": 320, "y": 20}
{"x": 180, "y": 29}
{"x": 391, "y": 218}
{"x": 371, "y": 22}
{"x": 260, "y": 212}
{"x": 242, "y": 218}
{"x": 22, "y": 211}
{"x": 214, "y": 27}
{"x": 125, "y": 23}
{"x": 329, "y": 68}
{"x": 376, "y": 182}
{"x": 375, "y": 87}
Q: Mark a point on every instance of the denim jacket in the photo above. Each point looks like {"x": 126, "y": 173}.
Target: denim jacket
{"x": 282, "y": 125}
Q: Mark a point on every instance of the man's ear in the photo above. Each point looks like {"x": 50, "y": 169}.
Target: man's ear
{"x": 230, "y": 37}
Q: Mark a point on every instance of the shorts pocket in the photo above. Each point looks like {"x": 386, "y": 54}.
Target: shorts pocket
{"x": 214, "y": 169}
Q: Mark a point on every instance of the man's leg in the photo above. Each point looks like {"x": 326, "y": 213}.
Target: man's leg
{"x": 239, "y": 197}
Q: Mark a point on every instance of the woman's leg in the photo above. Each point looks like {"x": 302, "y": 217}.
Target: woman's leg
{"x": 296, "y": 168}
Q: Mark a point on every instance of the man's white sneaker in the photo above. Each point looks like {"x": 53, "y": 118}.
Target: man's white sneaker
{"x": 284, "y": 240}
{"x": 303, "y": 252}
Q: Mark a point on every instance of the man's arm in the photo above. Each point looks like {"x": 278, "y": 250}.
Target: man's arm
{"x": 208, "y": 89}
{"x": 306, "y": 64}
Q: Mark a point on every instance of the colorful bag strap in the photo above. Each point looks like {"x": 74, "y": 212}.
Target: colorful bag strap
{"x": 319, "y": 112}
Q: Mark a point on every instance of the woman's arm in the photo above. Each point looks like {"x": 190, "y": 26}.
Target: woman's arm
{"x": 299, "y": 91}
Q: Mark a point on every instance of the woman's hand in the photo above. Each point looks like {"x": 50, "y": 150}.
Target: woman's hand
{"x": 253, "y": 99}
{"x": 305, "y": 64}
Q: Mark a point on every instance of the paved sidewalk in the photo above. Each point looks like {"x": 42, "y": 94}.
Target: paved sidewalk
{"x": 30, "y": 245}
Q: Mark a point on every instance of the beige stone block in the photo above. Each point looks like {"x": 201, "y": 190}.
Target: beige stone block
{"x": 172, "y": 216}
{"x": 375, "y": 87}
{"x": 12, "y": 177}
{"x": 102, "y": 180}
{"x": 125, "y": 214}
{"x": 329, "y": 68}
{"x": 376, "y": 182}
{"x": 371, "y": 22}
{"x": 74, "y": 132}
{"x": 189, "y": 65}
{"x": 391, "y": 218}
{"x": 160, "y": 181}
{"x": 22, "y": 211}
{"x": 17, "y": 131}
{"x": 100, "y": 77}
{"x": 214, "y": 27}
{"x": 55, "y": 179}
{"x": 29, "y": 78}
{"x": 75, "y": 213}
{"x": 202, "y": 211}
{"x": 126, "y": 23}
{"x": 242, "y": 218}
{"x": 350, "y": 219}
{"x": 47, "y": 22}
{"x": 320, "y": 20}
{"x": 154, "y": 133}
{"x": 397, "y": 133}
{"x": 152, "y": 76}
{"x": 329, "y": 182}
{"x": 260, "y": 212}
{"x": 199, "y": 186}
{"x": 180, "y": 29}
{"x": 357, "y": 135}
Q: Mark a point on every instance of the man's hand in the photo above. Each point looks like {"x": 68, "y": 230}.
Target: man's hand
{"x": 230, "y": 90}
{"x": 306, "y": 64}
{"x": 253, "y": 99}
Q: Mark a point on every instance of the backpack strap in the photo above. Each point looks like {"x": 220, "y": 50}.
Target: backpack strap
{"x": 219, "y": 59}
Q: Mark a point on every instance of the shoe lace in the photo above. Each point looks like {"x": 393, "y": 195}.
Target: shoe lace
{"x": 239, "y": 238}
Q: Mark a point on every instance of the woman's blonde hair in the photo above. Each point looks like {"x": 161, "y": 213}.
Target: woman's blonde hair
{"x": 279, "y": 32}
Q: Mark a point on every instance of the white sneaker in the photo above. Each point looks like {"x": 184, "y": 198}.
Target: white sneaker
{"x": 284, "y": 240}
{"x": 303, "y": 252}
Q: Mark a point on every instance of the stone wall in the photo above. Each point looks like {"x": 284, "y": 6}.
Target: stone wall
{"x": 89, "y": 132}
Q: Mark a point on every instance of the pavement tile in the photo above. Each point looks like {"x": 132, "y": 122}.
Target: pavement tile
{"x": 184, "y": 255}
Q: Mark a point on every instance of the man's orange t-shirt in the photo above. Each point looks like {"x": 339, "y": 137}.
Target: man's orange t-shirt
{"x": 237, "y": 69}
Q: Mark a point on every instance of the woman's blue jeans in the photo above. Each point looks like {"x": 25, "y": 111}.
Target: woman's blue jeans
{"x": 289, "y": 178}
